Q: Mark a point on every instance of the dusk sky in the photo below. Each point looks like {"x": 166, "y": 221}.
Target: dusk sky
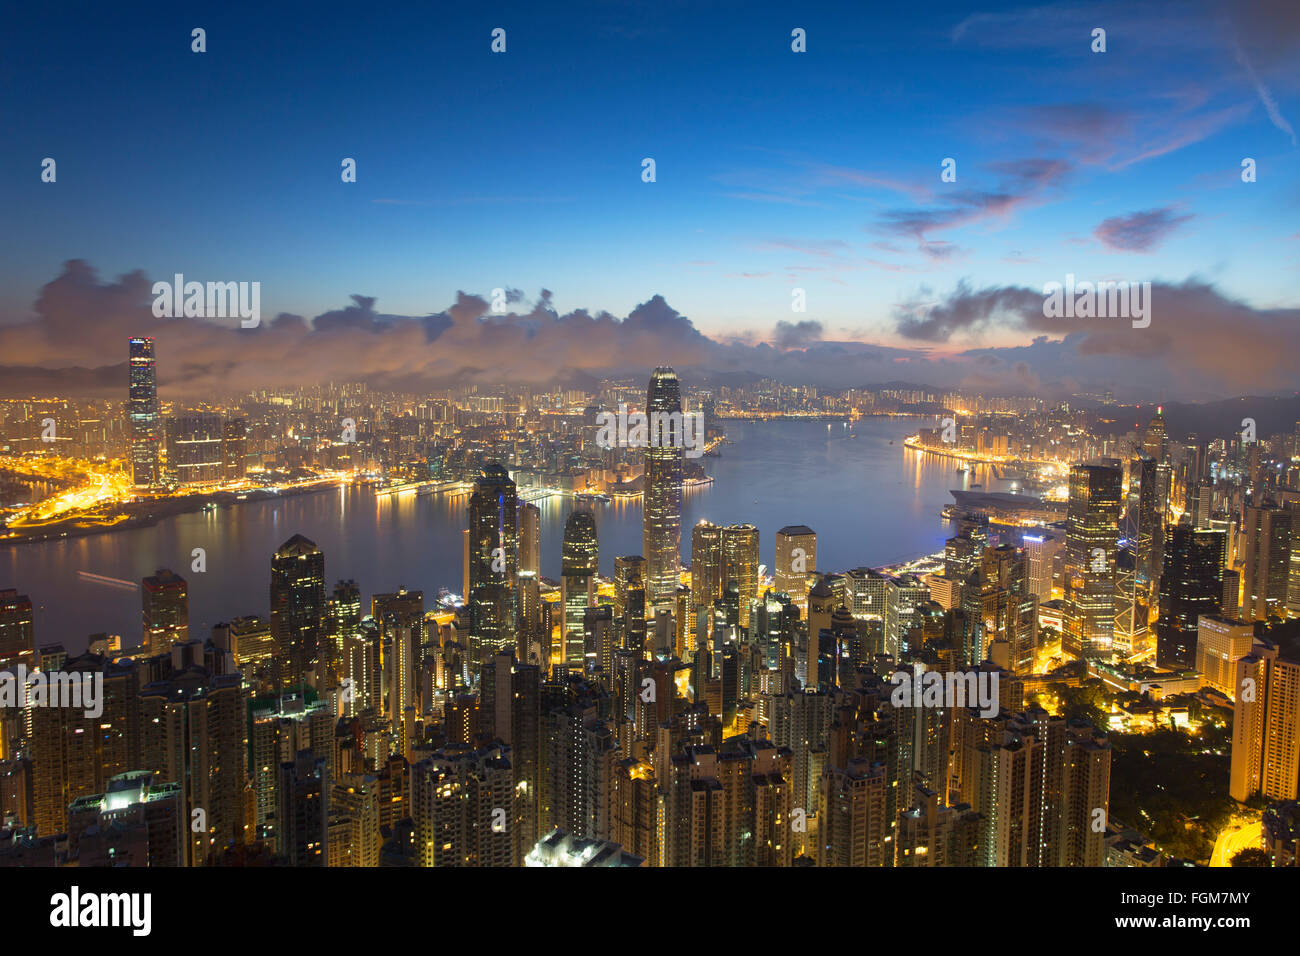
{"x": 775, "y": 170}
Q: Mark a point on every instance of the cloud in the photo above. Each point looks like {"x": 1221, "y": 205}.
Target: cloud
{"x": 796, "y": 335}
{"x": 1139, "y": 231}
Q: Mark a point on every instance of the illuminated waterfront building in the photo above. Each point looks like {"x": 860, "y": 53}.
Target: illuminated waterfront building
{"x": 661, "y": 535}
{"x": 17, "y": 636}
{"x": 530, "y": 538}
{"x": 142, "y": 410}
{"x": 196, "y": 448}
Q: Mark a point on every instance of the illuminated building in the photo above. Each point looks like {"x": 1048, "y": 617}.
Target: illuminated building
{"x": 279, "y": 728}
{"x": 135, "y": 822}
{"x": 1155, "y": 441}
{"x": 17, "y": 635}
{"x": 234, "y": 449}
{"x": 302, "y": 817}
{"x": 512, "y": 713}
{"x": 1267, "y": 537}
{"x": 193, "y": 729}
{"x": 1266, "y": 726}
{"x": 706, "y": 567}
{"x": 1191, "y": 585}
{"x": 630, "y": 602}
{"x": 142, "y": 409}
{"x": 1220, "y": 643}
{"x": 740, "y": 564}
{"x": 795, "y": 561}
{"x": 931, "y": 834}
{"x": 579, "y": 564}
{"x": 74, "y": 755}
{"x": 297, "y": 609}
{"x": 354, "y": 835}
{"x": 854, "y": 826}
{"x": 530, "y": 538}
{"x": 493, "y": 558}
{"x": 400, "y": 618}
{"x": 196, "y": 449}
{"x": 166, "y": 611}
{"x": 1041, "y": 551}
{"x": 1096, "y": 490}
{"x": 559, "y": 848}
{"x": 661, "y": 534}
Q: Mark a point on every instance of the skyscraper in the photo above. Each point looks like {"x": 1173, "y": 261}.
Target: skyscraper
{"x": 1092, "y": 531}
{"x": 661, "y": 534}
{"x": 740, "y": 564}
{"x": 706, "y": 564}
{"x": 1267, "y": 537}
{"x": 795, "y": 560}
{"x": 579, "y": 563}
{"x": 166, "y": 611}
{"x": 17, "y": 640}
{"x": 297, "y": 609}
{"x": 530, "y": 538}
{"x": 142, "y": 409}
{"x": 493, "y": 565}
{"x": 1191, "y": 585}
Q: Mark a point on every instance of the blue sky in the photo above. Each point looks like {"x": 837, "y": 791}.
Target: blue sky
{"x": 775, "y": 169}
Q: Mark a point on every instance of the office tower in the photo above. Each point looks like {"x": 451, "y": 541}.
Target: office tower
{"x": 302, "y": 815}
{"x": 661, "y": 536}
{"x": 142, "y": 409}
{"x": 493, "y": 565}
{"x": 1266, "y": 726}
{"x": 579, "y": 564}
{"x": 193, "y": 729}
{"x": 904, "y": 594}
{"x": 530, "y": 538}
{"x": 1040, "y": 551}
{"x": 166, "y": 611}
{"x": 251, "y": 642}
{"x": 1092, "y": 528}
{"x": 297, "y": 610}
{"x": 345, "y": 654}
{"x": 821, "y": 608}
{"x": 75, "y": 755}
{"x": 1191, "y": 585}
{"x": 1155, "y": 441}
{"x": 740, "y": 564}
{"x": 1231, "y": 590}
{"x": 1267, "y": 537}
{"x": 706, "y": 565}
{"x": 234, "y": 449}
{"x": 17, "y": 634}
{"x": 1220, "y": 643}
{"x": 1144, "y": 519}
{"x": 795, "y": 561}
{"x": 775, "y": 631}
{"x": 195, "y": 448}
{"x": 136, "y": 821}
{"x": 630, "y": 602}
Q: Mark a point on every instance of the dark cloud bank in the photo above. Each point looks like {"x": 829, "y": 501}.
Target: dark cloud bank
{"x": 1201, "y": 345}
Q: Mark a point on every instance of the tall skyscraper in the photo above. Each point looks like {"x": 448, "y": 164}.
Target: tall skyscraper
{"x": 1267, "y": 537}
{"x": 1191, "y": 585}
{"x": 740, "y": 564}
{"x": 530, "y": 538}
{"x": 795, "y": 561}
{"x": 629, "y": 601}
{"x": 297, "y": 609}
{"x": 1040, "y": 551}
{"x": 166, "y": 611}
{"x": 661, "y": 535}
{"x": 1091, "y": 538}
{"x": 17, "y": 637}
{"x": 706, "y": 565}
{"x": 579, "y": 564}
{"x": 493, "y": 565}
{"x": 196, "y": 448}
{"x": 142, "y": 409}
